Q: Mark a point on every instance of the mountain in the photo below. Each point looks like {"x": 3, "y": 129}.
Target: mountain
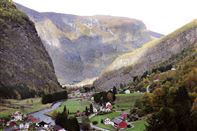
{"x": 137, "y": 63}
{"x": 26, "y": 69}
{"x": 82, "y": 46}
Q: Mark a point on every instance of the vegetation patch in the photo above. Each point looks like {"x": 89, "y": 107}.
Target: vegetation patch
{"x": 126, "y": 101}
{"x": 74, "y": 105}
{"x": 24, "y": 106}
{"x": 100, "y": 118}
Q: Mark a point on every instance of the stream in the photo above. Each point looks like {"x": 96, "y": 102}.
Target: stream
{"x": 41, "y": 114}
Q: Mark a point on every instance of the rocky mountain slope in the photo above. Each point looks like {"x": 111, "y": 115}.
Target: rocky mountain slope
{"x": 126, "y": 67}
{"x": 26, "y": 69}
{"x": 80, "y": 47}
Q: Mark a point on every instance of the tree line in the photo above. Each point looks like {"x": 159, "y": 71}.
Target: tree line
{"x": 50, "y": 98}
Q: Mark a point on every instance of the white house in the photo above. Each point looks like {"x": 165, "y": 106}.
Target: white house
{"x": 107, "y": 121}
{"x": 127, "y": 92}
{"x": 95, "y": 110}
{"x": 21, "y": 126}
{"x": 17, "y": 116}
{"x": 26, "y": 125}
{"x": 173, "y": 69}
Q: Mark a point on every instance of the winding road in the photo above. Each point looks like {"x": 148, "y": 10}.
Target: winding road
{"x": 42, "y": 113}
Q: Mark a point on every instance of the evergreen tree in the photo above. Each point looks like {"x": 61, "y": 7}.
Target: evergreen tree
{"x": 114, "y": 90}
{"x": 164, "y": 120}
{"x": 91, "y": 108}
{"x": 86, "y": 111}
{"x": 73, "y": 124}
{"x": 182, "y": 106}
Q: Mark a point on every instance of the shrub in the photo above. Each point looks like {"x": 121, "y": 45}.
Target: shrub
{"x": 95, "y": 122}
{"x": 102, "y": 121}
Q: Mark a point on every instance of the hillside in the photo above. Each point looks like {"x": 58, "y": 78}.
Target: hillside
{"x": 179, "y": 70}
{"x": 130, "y": 65}
{"x": 82, "y": 46}
{"x": 26, "y": 69}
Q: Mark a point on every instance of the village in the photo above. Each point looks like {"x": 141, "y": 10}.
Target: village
{"x": 103, "y": 114}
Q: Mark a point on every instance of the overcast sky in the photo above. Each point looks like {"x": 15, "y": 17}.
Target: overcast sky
{"x": 163, "y": 16}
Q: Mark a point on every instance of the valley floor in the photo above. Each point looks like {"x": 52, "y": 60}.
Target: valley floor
{"x": 26, "y": 106}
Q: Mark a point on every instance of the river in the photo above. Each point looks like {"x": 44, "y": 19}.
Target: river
{"x": 41, "y": 114}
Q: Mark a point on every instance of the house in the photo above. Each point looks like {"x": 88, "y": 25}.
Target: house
{"x": 157, "y": 79}
{"x": 43, "y": 124}
{"x": 124, "y": 115}
{"x": 26, "y": 126}
{"x": 127, "y": 92}
{"x": 17, "y": 116}
{"x": 32, "y": 119}
{"x": 11, "y": 124}
{"x": 78, "y": 114}
{"x": 95, "y": 110}
{"x": 107, "y": 121}
{"x": 108, "y": 105}
{"x": 133, "y": 117}
{"x": 119, "y": 123}
{"x": 58, "y": 128}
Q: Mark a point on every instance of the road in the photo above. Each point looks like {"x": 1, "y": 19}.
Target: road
{"x": 98, "y": 128}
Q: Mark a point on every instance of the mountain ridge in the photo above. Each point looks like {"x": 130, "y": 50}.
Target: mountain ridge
{"x": 82, "y": 46}
{"x": 130, "y": 65}
{"x": 26, "y": 69}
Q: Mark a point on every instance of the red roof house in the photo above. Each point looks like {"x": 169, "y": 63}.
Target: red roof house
{"x": 119, "y": 123}
{"x": 122, "y": 125}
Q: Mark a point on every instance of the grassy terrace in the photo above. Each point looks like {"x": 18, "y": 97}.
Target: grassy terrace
{"x": 25, "y": 106}
{"x": 98, "y": 118}
{"x": 126, "y": 101}
{"x": 138, "y": 125}
{"x": 73, "y": 105}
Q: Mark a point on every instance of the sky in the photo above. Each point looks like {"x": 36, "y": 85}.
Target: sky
{"x": 162, "y": 16}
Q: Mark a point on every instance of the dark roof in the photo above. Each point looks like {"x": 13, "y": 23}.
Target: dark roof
{"x": 42, "y": 123}
{"x": 117, "y": 120}
{"x": 57, "y": 127}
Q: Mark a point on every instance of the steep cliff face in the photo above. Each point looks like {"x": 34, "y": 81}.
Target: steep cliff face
{"x": 150, "y": 55}
{"x": 80, "y": 47}
{"x": 26, "y": 69}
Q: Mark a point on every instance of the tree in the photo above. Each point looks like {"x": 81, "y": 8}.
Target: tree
{"x": 176, "y": 116}
{"x": 114, "y": 90}
{"x": 110, "y": 96}
{"x": 182, "y": 107}
{"x": 85, "y": 125}
{"x": 70, "y": 124}
{"x": 91, "y": 108}
{"x": 87, "y": 111}
{"x": 164, "y": 120}
{"x": 73, "y": 124}
{"x": 193, "y": 124}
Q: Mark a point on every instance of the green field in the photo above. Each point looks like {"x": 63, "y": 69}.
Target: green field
{"x": 73, "y": 105}
{"x": 126, "y": 101}
{"x": 24, "y": 106}
{"x": 138, "y": 125}
{"x": 98, "y": 118}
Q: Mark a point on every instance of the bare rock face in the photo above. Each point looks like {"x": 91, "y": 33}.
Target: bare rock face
{"x": 81, "y": 47}
{"x": 150, "y": 55}
{"x": 26, "y": 69}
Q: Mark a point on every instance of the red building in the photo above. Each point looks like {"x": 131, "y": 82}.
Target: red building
{"x": 119, "y": 123}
